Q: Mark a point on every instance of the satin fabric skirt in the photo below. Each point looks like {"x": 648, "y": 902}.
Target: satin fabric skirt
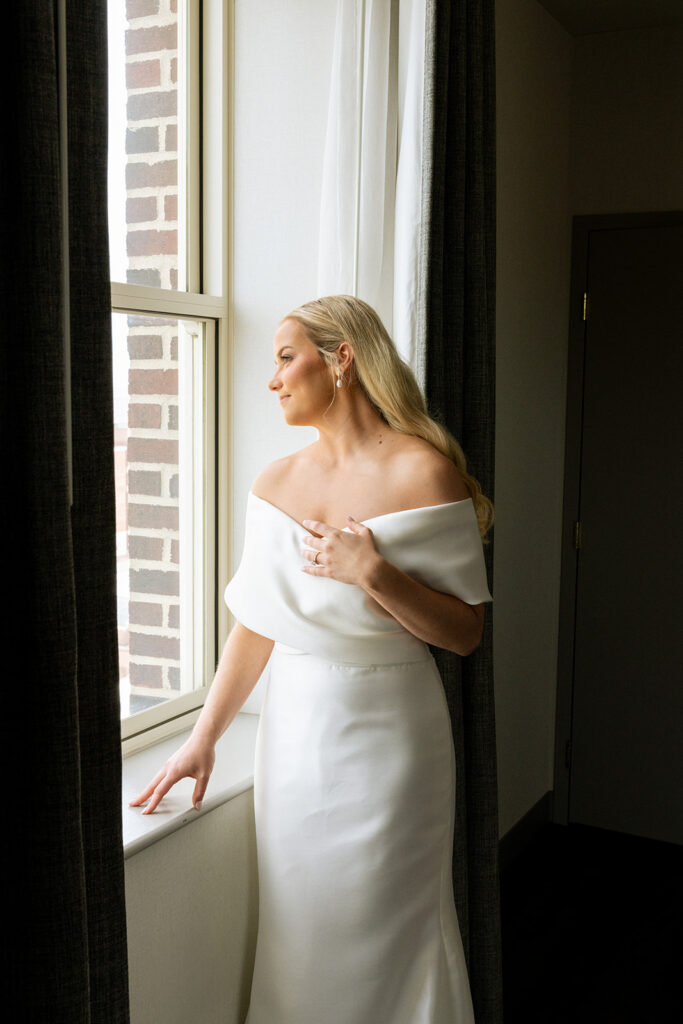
{"x": 354, "y": 795}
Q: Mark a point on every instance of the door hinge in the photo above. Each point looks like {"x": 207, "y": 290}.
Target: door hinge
{"x": 568, "y": 754}
{"x": 577, "y": 535}
{"x": 585, "y": 305}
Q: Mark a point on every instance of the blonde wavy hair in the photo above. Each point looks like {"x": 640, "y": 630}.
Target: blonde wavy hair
{"x": 386, "y": 380}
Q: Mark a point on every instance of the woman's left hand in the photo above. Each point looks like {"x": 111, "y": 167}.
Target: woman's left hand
{"x": 346, "y": 557}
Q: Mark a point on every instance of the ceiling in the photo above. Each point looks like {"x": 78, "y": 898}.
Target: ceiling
{"x": 581, "y": 17}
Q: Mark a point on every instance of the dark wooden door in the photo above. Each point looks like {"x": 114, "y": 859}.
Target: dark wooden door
{"x": 627, "y": 712}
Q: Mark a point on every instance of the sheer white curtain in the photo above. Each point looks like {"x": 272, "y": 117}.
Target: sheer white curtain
{"x": 408, "y": 207}
{"x": 371, "y": 191}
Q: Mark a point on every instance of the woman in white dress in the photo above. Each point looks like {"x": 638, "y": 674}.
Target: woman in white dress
{"x": 360, "y": 550}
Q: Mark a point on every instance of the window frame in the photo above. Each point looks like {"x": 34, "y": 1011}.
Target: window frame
{"x": 206, "y": 26}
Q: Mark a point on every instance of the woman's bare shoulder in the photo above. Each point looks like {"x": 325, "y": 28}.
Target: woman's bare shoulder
{"x": 425, "y": 476}
{"x": 277, "y": 477}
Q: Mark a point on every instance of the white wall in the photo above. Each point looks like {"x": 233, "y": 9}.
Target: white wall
{"x": 283, "y": 55}
{"x": 282, "y": 67}
{"x": 192, "y": 911}
{"x": 534, "y": 57}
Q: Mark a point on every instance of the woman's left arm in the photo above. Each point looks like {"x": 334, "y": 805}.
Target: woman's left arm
{"x": 437, "y": 618}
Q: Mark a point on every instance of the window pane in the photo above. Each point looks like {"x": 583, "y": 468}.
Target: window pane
{"x": 146, "y": 152}
{"x": 158, "y": 438}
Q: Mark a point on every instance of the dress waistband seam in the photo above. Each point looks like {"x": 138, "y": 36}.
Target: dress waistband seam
{"x": 285, "y": 649}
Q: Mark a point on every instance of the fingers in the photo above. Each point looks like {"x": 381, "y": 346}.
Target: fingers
{"x": 160, "y": 791}
{"x": 324, "y": 529}
{"x": 316, "y": 570}
{"x": 336, "y": 553}
{"x": 164, "y": 780}
{"x": 312, "y": 553}
{"x": 199, "y": 791}
{"x": 146, "y": 793}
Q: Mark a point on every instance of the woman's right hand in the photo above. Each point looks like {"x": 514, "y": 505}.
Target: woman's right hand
{"x": 195, "y": 759}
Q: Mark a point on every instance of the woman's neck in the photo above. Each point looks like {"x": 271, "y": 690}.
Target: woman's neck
{"x": 349, "y": 428}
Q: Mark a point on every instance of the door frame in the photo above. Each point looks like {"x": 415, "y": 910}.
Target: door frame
{"x": 582, "y": 227}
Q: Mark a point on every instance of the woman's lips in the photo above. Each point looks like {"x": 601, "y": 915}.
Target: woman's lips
{"x": 283, "y": 398}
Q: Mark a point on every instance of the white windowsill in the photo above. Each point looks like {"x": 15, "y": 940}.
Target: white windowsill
{"x": 233, "y": 774}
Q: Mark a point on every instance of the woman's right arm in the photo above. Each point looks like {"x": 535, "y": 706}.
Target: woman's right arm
{"x": 243, "y": 660}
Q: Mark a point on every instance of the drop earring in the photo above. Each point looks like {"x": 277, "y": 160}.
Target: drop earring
{"x": 339, "y": 383}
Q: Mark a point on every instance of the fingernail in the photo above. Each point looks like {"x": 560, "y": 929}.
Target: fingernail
{"x": 306, "y": 521}
{"x": 198, "y": 805}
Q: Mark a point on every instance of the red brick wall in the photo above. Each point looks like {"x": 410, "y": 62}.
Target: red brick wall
{"x": 153, "y": 538}
{"x": 153, "y": 641}
{"x": 152, "y": 142}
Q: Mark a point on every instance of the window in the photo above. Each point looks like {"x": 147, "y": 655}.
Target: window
{"x": 167, "y": 173}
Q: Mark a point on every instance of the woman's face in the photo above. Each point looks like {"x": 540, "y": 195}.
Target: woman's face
{"x": 302, "y": 380}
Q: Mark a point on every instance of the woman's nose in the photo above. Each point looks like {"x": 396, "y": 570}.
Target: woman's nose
{"x": 274, "y": 383}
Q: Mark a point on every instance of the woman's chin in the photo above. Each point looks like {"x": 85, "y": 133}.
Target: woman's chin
{"x": 293, "y": 420}
{"x": 289, "y": 415}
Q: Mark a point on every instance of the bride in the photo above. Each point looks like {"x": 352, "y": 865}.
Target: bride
{"x": 360, "y": 550}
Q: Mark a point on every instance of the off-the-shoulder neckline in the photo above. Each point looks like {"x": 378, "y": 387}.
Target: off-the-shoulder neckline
{"x": 371, "y": 519}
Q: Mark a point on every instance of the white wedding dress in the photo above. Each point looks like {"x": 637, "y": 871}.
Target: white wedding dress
{"x": 354, "y": 780}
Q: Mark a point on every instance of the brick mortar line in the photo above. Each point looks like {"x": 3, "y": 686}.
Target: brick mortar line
{"x": 168, "y": 534}
{"x": 150, "y": 631}
{"x": 152, "y": 225}
{"x": 142, "y": 628}
{"x": 161, "y": 436}
{"x": 137, "y": 659}
{"x": 146, "y": 691}
{"x": 149, "y": 90}
{"x": 141, "y": 58}
{"x": 153, "y": 266}
{"x": 152, "y": 157}
{"x": 157, "y": 567}
{"x": 151, "y": 21}
{"x": 167, "y": 55}
{"x": 161, "y": 533}
{"x": 145, "y": 191}
{"x": 139, "y": 465}
{"x": 140, "y": 691}
{"x": 148, "y": 500}
{"x": 148, "y": 563}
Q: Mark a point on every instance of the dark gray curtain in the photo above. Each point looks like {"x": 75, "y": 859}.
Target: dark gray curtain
{"x": 459, "y": 331}
{"x": 64, "y": 923}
